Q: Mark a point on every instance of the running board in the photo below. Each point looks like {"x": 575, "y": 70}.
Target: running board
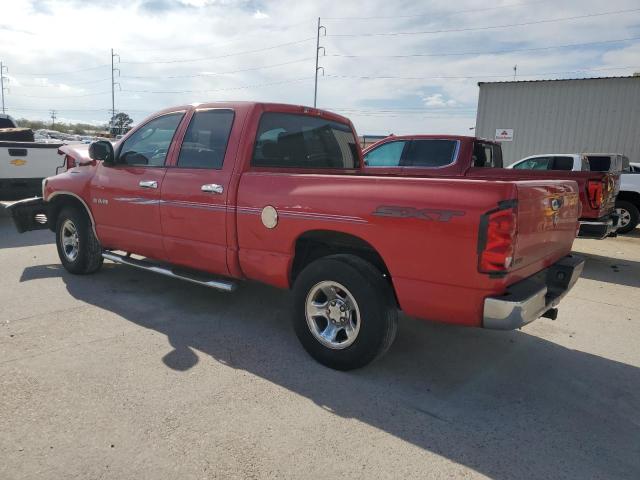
{"x": 224, "y": 285}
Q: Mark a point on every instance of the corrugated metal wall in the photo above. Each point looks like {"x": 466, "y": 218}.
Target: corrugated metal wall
{"x": 563, "y": 116}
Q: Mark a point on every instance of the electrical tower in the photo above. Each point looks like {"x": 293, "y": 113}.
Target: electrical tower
{"x": 318, "y": 68}
{"x": 3, "y": 69}
{"x": 53, "y": 117}
{"x": 113, "y": 87}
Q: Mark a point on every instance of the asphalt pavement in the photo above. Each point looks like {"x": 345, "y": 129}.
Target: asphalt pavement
{"x": 125, "y": 374}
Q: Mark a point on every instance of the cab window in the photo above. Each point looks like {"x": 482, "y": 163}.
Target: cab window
{"x": 148, "y": 146}
{"x": 537, "y": 163}
{"x": 302, "y": 141}
{"x": 386, "y": 155}
{"x": 486, "y": 155}
{"x": 205, "y": 141}
{"x": 430, "y": 153}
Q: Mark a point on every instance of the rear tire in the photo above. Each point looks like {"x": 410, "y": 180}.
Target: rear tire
{"x": 344, "y": 314}
{"x": 629, "y": 216}
{"x": 78, "y": 248}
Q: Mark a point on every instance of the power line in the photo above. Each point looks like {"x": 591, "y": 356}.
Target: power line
{"x": 63, "y": 96}
{"x": 418, "y": 15}
{"x": 470, "y": 77}
{"x": 488, "y": 27}
{"x": 294, "y": 80}
{"x": 53, "y": 117}
{"x": 68, "y": 72}
{"x": 63, "y": 84}
{"x": 201, "y": 59}
{"x": 494, "y": 52}
{"x": 214, "y": 74}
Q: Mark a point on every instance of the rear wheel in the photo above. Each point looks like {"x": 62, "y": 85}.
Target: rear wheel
{"x": 78, "y": 248}
{"x": 344, "y": 311}
{"x": 629, "y": 216}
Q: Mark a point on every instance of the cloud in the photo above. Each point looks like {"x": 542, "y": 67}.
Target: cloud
{"x": 259, "y": 15}
{"x": 395, "y": 83}
{"x": 438, "y": 100}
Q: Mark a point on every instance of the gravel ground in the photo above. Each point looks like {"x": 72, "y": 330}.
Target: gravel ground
{"x": 124, "y": 374}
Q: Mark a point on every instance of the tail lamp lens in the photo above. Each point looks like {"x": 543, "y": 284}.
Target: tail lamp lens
{"x": 70, "y": 161}
{"x": 496, "y": 251}
{"x": 595, "y": 192}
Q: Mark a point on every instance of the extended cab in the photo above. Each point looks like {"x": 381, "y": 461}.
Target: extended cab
{"x": 222, "y": 192}
{"x": 476, "y": 158}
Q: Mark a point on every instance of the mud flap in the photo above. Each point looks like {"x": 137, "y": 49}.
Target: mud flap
{"x": 29, "y": 214}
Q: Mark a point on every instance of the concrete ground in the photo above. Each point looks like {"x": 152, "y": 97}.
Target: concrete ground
{"x": 124, "y": 374}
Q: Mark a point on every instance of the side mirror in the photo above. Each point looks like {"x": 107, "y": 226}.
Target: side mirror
{"x": 102, "y": 150}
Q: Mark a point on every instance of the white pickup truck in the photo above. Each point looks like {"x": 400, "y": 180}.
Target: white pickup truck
{"x": 628, "y": 198}
{"x": 23, "y": 162}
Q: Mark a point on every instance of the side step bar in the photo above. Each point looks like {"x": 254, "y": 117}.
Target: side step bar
{"x": 224, "y": 285}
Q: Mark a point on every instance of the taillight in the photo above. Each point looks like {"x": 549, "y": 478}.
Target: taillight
{"x": 70, "y": 161}
{"x": 595, "y": 193}
{"x": 497, "y": 238}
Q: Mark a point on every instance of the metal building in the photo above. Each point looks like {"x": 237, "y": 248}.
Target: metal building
{"x": 562, "y": 116}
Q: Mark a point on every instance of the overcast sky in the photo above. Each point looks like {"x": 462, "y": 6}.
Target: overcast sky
{"x": 392, "y": 67}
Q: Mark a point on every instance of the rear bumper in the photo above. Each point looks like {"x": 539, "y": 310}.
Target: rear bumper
{"x": 15, "y": 188}
{"x": 29, "y": 214}
{"x": 598, "y": 228}
{"x": 529, "y": 299}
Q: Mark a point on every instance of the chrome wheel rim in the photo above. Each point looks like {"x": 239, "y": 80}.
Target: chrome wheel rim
{"x": 625, "y": 217}
{"x": 333, "y": 316}
{"x": 70, "y": 240}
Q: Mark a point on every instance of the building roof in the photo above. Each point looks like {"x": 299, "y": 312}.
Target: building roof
{"x": 635, "y": 75}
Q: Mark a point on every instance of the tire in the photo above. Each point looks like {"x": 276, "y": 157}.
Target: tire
{"x": 630, "y": 213}
{"x": 370, "y": 314}
{"x": 82, "y": 253}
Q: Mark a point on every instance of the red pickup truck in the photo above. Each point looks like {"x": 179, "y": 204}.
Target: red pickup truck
{"x": 221, "y": 192}
{"x": 476, "y": 158}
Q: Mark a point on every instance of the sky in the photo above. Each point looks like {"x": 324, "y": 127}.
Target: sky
{"x": 392, "y": 67}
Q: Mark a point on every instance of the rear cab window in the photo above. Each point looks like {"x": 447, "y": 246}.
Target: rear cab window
{"x": 486, "y": 155}
{"x": 420, "y": 153}
{"x": 287, "y": 140}
{"x": 205, "y": 141}
{"x": 535, "y": 163}
{"x": 599, "y": 163}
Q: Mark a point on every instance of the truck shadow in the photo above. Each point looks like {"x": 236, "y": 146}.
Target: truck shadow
{"x": 506, "y": 404}
{"x": 611, "y": 270}
{"x": 10, "y": 238}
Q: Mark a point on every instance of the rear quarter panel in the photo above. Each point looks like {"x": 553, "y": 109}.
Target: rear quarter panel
{"x": 429, "y": 244}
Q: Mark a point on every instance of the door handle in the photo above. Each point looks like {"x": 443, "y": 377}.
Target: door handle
{"x": 148, "y": 184}
{"x": 212, "y": 188}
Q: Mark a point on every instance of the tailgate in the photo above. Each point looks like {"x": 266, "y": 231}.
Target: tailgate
{"x": 548, "y": 213}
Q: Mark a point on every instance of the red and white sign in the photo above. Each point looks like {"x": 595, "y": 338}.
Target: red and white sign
{"x": 504, "y": 134}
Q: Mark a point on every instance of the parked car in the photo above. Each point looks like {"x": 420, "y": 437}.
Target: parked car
{"x": 222, "y": 192}
{"x": 476, "y": 158}
{"x": 627, "y": 203}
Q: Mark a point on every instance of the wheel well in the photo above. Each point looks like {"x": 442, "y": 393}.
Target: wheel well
{"x": 61, "y": 201}
{"x": 633, "y": 197}
{"x": 316, "y": 244}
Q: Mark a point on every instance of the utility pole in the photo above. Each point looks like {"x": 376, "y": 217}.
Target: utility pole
{"x": 53, "y": 118}
{"x": 318, "y": 47}
{"x": 515, "y": 71}
{"x": 113, "y": 87}
{"x": 3, "y": 70}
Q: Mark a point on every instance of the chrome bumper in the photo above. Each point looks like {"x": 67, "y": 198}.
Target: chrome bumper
{"x": 598, "y": 229}
{"x": 529, "y": 299}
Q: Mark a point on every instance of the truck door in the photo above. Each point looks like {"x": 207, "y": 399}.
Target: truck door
{"x": 194, "y": 195}
{"x": 126, "y": 196}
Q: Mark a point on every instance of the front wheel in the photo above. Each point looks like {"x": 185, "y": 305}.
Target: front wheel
{"x": 344, "y": 311}
{"x": 78, "y": 248}
{"x": 629, "y": 216}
